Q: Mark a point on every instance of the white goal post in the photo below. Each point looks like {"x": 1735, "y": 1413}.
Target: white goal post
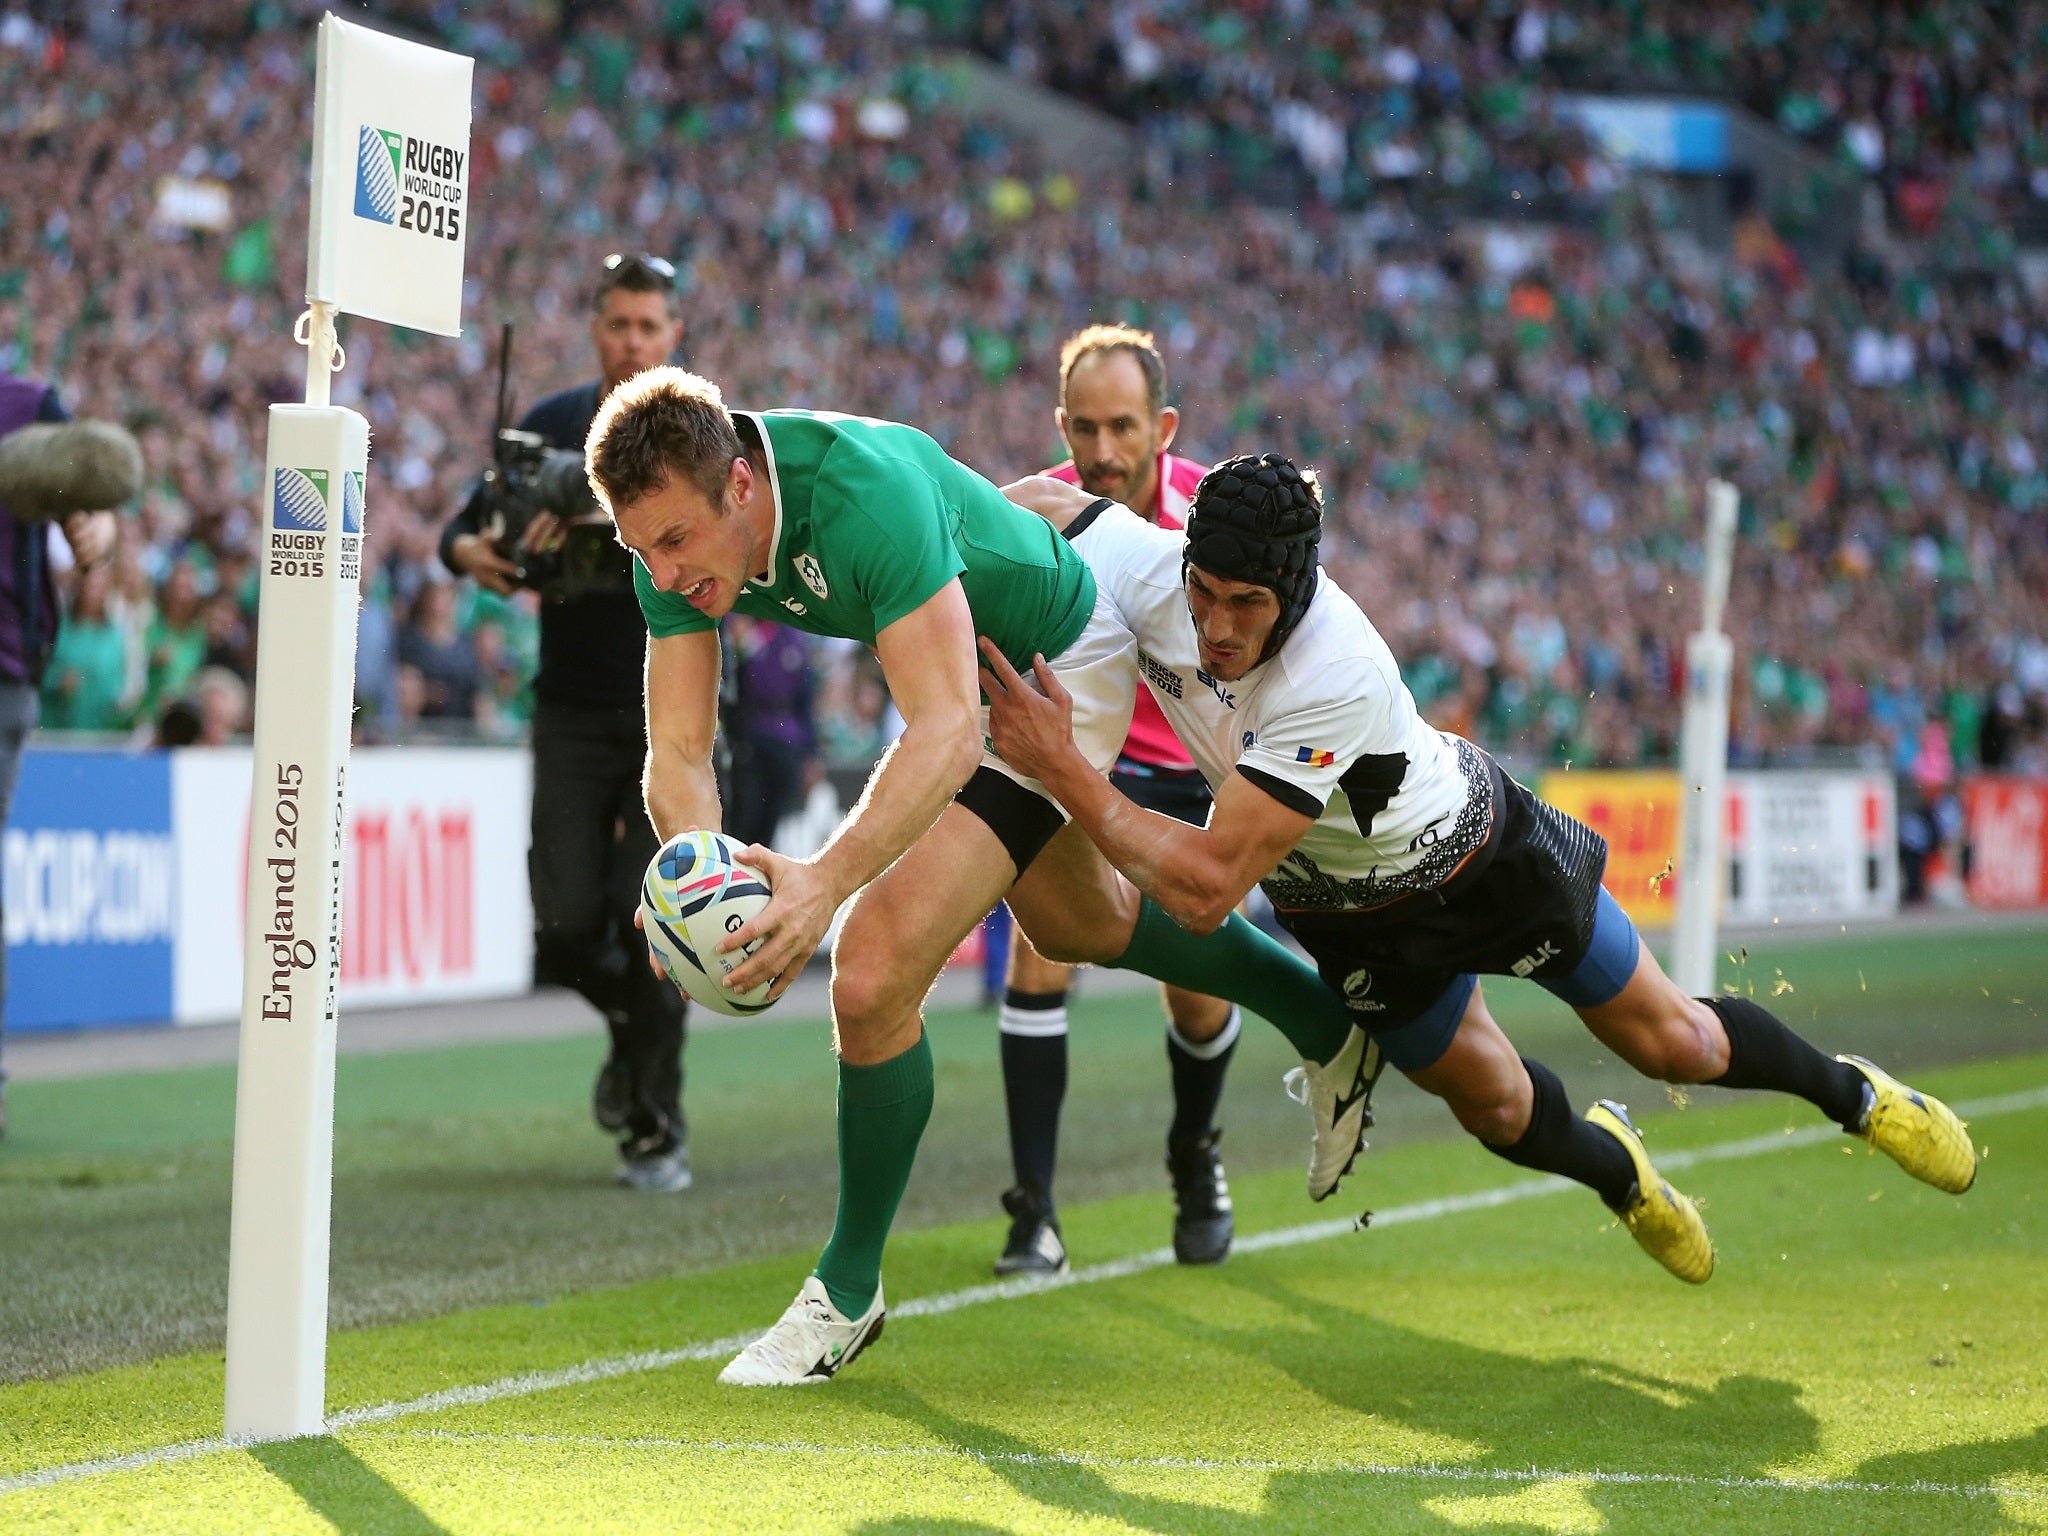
{"x": 1703, "y": 761}
{"x": 390, "y": 192}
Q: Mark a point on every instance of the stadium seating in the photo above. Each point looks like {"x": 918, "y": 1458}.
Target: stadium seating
{"x": 1514, "y": 420}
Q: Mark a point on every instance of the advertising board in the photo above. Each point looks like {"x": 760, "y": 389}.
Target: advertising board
{"x": 435, "y": 903}
{"x": 90, "y": 899}
{"x": 2007, "y": 820}
{"x": 1803, "y": 846}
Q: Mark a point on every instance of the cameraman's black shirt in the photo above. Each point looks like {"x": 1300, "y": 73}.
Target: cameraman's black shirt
{"x": 591, "y": 647}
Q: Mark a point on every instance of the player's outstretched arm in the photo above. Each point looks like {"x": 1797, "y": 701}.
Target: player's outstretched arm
{"x": 680, "y": 784}
{"x": 1197, "y": 875}
{"x": 928, "y": 661}
{"x": 1054, "y": 500}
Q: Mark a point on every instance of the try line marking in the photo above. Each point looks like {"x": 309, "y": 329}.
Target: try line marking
{"x": 528, "y": 1383}
{"x": 1424, "y": 1471}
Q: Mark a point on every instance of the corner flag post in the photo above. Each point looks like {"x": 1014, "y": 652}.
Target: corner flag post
{"x": 390, "y": 196}
{"x": 1703, "y": 761}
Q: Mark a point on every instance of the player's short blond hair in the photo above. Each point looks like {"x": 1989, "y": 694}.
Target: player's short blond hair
{"x": 1117, "y": 338}
{"x": 658, "y": 426}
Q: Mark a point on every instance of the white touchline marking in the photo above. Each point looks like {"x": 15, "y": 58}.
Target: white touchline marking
{"x": 1425, "y": 1470}
{"x": 530, "y": 1382}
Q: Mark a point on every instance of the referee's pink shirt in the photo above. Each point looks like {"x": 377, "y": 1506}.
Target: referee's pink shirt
{"x": 1152, "y": 741}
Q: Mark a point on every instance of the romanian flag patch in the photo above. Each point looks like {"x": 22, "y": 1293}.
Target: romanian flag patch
{"x": 1314, "y": 758}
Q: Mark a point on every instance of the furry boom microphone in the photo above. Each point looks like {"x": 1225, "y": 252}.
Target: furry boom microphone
{"x": 52, "y": 470}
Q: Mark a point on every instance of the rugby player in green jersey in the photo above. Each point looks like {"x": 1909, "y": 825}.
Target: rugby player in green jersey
{"x": 867, "y": 530}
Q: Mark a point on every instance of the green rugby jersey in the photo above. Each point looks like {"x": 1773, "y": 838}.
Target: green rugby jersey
{"x": 871, "y": 519}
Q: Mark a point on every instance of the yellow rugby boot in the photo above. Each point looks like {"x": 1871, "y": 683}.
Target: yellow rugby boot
{"x": 1915, "y": 1130}
{"x": 1665, "y": 1224}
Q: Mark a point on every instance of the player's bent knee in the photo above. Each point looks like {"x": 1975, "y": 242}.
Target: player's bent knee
{"x": 1498, "y": 1122}
{"x": 869, "y": 995}
{"x": 1692, "y": 1044}
{"x": 1671, "y": 1048}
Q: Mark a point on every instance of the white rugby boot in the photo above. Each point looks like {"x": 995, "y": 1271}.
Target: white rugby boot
{"x": 1339, "y": 1100}
{"x": 809, "y": 1344}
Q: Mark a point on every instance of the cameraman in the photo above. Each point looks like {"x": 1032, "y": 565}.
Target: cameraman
{"x": 591, "y": 836}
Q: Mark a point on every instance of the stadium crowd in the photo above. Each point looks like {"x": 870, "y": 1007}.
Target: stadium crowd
{"x": 1456, "y": 100}
{"x": 1514, "y": 419}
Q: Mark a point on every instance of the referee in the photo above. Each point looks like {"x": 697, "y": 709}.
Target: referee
{"x": 1119, "y": 429}
{"x": 591, "y": 837}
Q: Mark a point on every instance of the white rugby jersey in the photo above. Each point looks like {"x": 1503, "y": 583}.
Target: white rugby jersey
{"x": 1326, "y": 727}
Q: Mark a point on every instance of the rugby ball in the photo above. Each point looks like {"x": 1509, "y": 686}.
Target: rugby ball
{"x": 696, "y": 892}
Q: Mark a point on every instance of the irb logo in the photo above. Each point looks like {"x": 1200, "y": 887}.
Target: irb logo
{"x": 298, "y": 503}
{"x": 377, "y": 171}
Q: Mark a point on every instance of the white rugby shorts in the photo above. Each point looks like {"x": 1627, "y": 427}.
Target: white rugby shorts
{"x": 1100, "y": 670}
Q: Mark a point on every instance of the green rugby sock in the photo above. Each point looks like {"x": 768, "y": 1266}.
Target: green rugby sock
{"x": 882, "y": 1115}
{"x": 1241, "y": 964}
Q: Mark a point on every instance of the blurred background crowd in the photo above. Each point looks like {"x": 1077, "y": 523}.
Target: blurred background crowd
{"x": 1369, "y": 237}
{"x": 1935, "y": 102}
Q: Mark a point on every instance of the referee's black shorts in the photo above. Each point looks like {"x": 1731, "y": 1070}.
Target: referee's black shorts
{"x": 1181, "y": 793}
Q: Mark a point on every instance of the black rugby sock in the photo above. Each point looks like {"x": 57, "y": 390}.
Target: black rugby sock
{"x": 1035, "y": 1083}
{"x": 1558, "y": 1141}
{"x": 1763, "y": 1053}
{"x": 1198, "y": 1071}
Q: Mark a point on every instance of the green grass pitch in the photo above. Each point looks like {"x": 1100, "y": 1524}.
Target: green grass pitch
{"x": 528, "y": 1350}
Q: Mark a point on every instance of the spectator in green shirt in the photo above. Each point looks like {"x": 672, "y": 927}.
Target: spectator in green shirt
{"x": 175, "y": 644}
{"x": 88, "y": 673}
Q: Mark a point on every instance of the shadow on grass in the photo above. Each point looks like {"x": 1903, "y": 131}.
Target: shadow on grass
{"x": 1524, "y": 1412}
{"x": 1977, "y": 1463}
{"x": 340, "y": 1488}
{"x": 1294, "y": 1501}
{"x": 1515, "y": 1414}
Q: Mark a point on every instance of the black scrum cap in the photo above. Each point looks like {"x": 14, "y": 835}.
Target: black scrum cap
{"x": 1258, "y": 520}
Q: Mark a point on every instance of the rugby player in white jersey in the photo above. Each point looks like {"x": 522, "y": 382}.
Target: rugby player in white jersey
{"x": 1119, "y": 429}
{"x": 1401, "y": 857}
{"x": 868, "y": 530}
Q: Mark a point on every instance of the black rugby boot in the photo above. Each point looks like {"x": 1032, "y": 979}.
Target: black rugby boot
{"x": 1035, "y": 1246}
{"x": 611, "y": 1096}
{"x": 1202, "y": 1221}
